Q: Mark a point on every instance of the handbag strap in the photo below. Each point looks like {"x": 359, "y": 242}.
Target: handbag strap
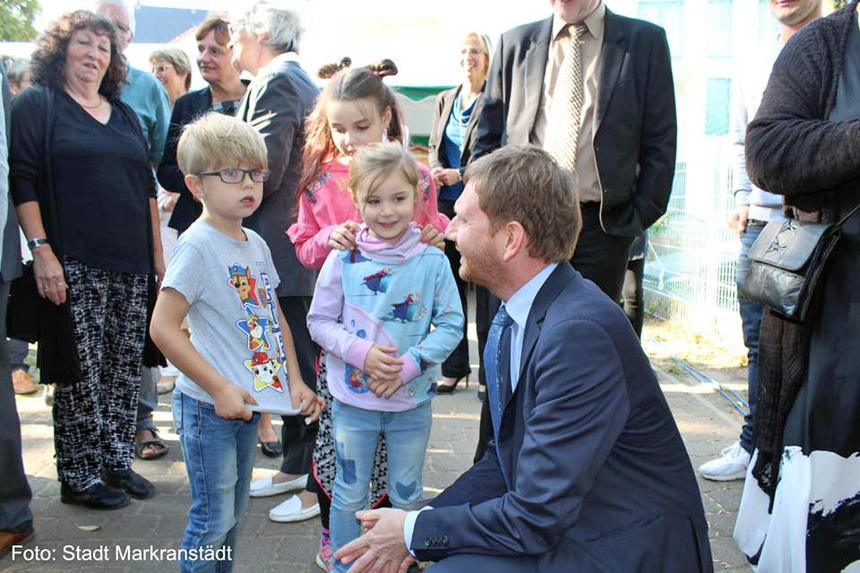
{"x": 47, "y": 173}
{"x": 848, "y": 215}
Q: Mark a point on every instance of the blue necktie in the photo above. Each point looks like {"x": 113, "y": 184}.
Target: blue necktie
{"x": 492, "y": 360}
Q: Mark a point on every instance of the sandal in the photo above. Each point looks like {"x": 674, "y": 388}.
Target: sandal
{"x": 141, "y": 444}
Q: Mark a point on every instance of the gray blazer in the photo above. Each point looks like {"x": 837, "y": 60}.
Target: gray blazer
{"x": 276, "y": 104}
{"x": 441, "y": 114}
{"x": 588, "y": 472}
{"x": 10, "y": 267}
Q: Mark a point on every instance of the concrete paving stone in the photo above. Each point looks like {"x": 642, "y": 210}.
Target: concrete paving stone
{"x": 264, "y": 546}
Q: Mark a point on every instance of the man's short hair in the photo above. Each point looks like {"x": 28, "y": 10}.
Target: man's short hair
{"x": 523, "y": 183}
{"x": 129, "y": 10}
{"x": 217, "y": 141}
{"x": 281, "y": 23}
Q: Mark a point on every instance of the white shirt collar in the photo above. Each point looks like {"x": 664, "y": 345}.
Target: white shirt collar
{"x": 520, "y": 304}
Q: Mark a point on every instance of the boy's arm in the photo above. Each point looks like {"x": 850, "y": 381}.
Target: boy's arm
{"x": 447, "y": 320}
{"x": 166, "y": 331}
{"x": 303, "y": 398}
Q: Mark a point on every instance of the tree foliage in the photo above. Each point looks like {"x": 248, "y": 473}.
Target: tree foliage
{"x": 16, "y": 20}
{"x": 839, "y": 3}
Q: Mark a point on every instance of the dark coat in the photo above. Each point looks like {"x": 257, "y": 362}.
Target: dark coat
{"x": 276, "y": 105}
{"x": 441, "y": 113}
{"x": 10, "y": 267}
{"x": 589, "y": 472}
{"x": 185, "y": 110}
{"x": 635, "y": 122}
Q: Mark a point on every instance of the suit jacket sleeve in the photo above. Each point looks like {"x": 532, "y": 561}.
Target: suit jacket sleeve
{"x": 273, "y": 110}
{"x": 791, "y": 147}
{"x": 437, "y": 131}
{"x": 480, "y": 483}
{"x": 580, "y": 409}
{"x": 491, "y": 122}
{"x": 659, "y": 135}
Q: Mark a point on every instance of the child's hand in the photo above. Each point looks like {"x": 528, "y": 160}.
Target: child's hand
{"x": 380, "y": 363}
{"x": 343, "y": 236}
{"x": 306, "y": 401}
{"x": 385, "y": 387}
{"x": 230, "y": 403}
{"x": 431, "y": 236}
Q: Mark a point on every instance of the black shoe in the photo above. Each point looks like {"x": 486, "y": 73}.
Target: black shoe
{"x": 449, "y": 388}
{"x": 271, "y": 449}
{"x": 130, "y": 482}
{"x": 96, "y": 496}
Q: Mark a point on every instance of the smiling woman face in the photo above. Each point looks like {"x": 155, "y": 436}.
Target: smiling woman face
{"x": 87, "y": 58}
{"x": 213, "y": 60}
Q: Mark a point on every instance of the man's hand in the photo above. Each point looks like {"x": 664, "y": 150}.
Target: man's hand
{"x": 170, "y": 203}
{"x": 230, "y": 402}
{"x": 430, "y": 235}
{"x": 379, "y": 362}
{"x": 738, "y": 220}
{"x": 382, "y": 548}
{"x": 306, "y": 401}
{"x": 445, "y": 176}
{"x": 385, "y": 387}
{"x": 343, "y": 236}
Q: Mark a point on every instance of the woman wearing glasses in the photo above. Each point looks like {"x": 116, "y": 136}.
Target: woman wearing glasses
{"x": 223, "y": 94}
{"x": 171, "y": 67}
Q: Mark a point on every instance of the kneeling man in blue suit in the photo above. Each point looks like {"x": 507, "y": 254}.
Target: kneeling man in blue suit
{"x": 586, "y": 471}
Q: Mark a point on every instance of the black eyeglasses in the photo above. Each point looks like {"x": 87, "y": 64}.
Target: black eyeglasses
{"x": 234, "y": 175}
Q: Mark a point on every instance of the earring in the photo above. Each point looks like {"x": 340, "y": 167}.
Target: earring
{"x": 384, "y": 135}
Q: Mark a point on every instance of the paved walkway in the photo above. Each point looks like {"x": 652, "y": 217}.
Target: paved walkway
{"x": 707, "y": 422}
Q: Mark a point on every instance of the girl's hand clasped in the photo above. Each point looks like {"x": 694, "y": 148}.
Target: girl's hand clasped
{"x": 343, "y": 236}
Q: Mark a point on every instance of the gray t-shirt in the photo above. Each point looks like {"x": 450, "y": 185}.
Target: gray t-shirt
{"x": 230, "y": 286}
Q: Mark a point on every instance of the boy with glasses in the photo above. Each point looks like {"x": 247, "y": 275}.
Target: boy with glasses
{"x": 240, "y": 359}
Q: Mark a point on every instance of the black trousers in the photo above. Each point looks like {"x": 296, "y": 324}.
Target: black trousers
{"x": 297, "y": 438}
{"x": 632, "y": 296}
{"x": 599, "y": 257}
{"x": 457, "y": 364}
{"x": 15, "y": 493}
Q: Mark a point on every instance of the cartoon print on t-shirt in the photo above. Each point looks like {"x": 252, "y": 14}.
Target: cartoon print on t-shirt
{"x": 378, "y": 281}
{"x": 244, "y": 283}
{"x": 407, "y": 311}
{"x": 265, "y": 371}
{"x": 257, "y": 329}
{"x": 356, "y": 380}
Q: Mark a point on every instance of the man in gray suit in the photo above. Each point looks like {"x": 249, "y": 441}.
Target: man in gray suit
{"x": 16, "y": 519}
{"x": 265, "y": 42}
{"x": 586, "y": 470}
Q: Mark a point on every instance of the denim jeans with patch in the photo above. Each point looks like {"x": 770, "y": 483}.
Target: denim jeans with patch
{"x": 219, "y": 456}
{"x": 355, "y": 433}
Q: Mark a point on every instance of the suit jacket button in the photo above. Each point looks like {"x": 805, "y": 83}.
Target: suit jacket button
{"x": 445, "y": 540}
{"x": 428, "y": 542}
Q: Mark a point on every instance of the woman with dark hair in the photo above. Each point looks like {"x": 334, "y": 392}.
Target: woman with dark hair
{"x": 85, "y": 196}
{"x": 451, "y": 139}
{"x": 223, "y": 94}
{"x": 799, "y": 510}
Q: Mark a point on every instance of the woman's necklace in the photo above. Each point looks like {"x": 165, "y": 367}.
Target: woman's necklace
{"x": 98, "y": 105}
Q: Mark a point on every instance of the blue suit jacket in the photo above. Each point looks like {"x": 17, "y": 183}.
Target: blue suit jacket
{"x": 598, "y": 478}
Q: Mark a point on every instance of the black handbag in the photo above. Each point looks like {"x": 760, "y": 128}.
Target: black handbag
{"x": 786, "y": 263}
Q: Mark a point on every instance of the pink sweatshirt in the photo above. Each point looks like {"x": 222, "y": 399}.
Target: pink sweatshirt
{"x": 325, "y": 204}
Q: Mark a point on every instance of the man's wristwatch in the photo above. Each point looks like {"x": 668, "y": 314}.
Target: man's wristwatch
{"x": 36, "y": 243}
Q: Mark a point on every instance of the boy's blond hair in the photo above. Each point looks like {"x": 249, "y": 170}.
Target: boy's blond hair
{"x": 216, "y": 141}
{"x": 374, "y": 163}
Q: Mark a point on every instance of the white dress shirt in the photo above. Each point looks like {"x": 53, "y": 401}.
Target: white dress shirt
{"x": 518, "y": 306}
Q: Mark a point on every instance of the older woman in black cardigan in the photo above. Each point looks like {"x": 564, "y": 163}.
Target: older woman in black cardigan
{"x": 84, "y": 193}
{"x": 801, "y": 504}
{"x": 451, "y": 138}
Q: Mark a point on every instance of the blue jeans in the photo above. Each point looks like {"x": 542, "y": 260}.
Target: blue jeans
{"x": 751, "y": 321}
{"x": 355, "y": 433}
{"x": 219, "y": 457}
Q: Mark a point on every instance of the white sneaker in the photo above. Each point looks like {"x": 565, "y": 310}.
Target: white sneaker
{"x": 266, "y": 487}
{"x": 291, "y": 510}
{"x": 732, "y": 464}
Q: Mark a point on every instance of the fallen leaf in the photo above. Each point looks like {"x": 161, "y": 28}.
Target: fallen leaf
{"x": 89, "y": 527}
